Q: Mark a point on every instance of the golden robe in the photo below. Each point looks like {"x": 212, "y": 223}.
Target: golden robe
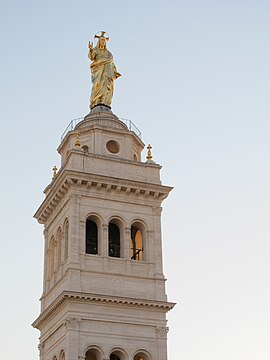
{"x": 103, "y": 75}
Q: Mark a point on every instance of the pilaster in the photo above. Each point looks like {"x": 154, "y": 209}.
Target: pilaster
{"x": 104, "y": 240}
{"x": 72, "y": 325}
{"x": 161, "y": 335}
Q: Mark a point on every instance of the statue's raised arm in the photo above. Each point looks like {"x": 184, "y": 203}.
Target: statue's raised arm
{"x": 103, "y": 72}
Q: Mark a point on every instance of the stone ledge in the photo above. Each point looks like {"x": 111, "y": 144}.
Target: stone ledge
{"x": 68, "y": 296}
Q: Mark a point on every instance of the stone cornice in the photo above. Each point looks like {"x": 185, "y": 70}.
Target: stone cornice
{"x": 79, "y": 181}
{"x": 68, "y": 296}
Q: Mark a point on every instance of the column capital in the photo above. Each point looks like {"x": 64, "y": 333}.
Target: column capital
{"x": 157, "y": 210}
{"x": 74, "y": 197}
{"x": 162, "y": 331}
{"x": 72, "y": 323}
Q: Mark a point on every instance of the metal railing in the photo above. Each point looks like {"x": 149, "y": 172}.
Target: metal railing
{"x": 130, "y": 125}
{"x": 71, "y": 126}
{"x": 136, "y": 255}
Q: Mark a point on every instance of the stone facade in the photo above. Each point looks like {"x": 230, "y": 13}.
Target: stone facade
{"x": 104, "y": 303}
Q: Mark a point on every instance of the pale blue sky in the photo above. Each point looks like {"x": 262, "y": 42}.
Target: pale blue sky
{"x": 196, "y": 83}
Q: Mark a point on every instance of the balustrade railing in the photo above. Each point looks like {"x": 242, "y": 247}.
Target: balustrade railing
{"x": 130, "y": 125}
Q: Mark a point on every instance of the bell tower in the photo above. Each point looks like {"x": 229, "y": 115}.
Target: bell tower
{"x": 104, "y": 290}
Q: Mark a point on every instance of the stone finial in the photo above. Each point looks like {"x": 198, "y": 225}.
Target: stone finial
{"x": 78, "y": 143}
{"x": 54, "y": 171}
{"x": 149, "y": 156}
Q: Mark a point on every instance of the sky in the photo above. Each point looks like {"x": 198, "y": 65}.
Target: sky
{"x": 195, "y": 81}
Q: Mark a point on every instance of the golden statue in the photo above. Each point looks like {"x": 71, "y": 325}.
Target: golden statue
{"x": 103, "y": 72}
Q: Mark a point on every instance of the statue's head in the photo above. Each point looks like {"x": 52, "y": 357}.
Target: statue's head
{"x": 102, "y": 39}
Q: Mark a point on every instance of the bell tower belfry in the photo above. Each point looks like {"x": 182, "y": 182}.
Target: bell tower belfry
{"x": 104, "y": 290}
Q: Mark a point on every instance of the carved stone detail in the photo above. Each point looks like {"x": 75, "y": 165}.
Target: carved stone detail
{"x": 72, "y": 323}
{"x": 157, "y": 210}
{"x": 162, "y": 331}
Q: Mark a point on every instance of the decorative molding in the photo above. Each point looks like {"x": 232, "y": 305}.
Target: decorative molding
{"x": 80, "y": 181}
{"x": 68, "y": 296}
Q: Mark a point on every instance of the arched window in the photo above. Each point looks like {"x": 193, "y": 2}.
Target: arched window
{"x": 93, "y": 354}
{"x": 114, "y": 240}
{"x": 118, "y": 354}
{"x": 91, "y": 241}
{"x": 62, "y": 355}
{"x": 90, "y": 356}
{"x": 142, "y": 355}
{"x": 66, "y": 229}
{"x": 114, "y": 357}
{"x": 136, "y": 244}
{"x": 85, "y": 149}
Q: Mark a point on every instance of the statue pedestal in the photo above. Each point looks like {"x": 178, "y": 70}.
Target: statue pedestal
{"x": 100, "y": 108}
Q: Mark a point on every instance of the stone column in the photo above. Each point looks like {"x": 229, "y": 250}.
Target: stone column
{"x": 105, "y": 242}
{"x": 82, "y": 243}
{"x": 105, "y": 246}
{"x": 127, "y": 243}
{"x": 127, "y": 249}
